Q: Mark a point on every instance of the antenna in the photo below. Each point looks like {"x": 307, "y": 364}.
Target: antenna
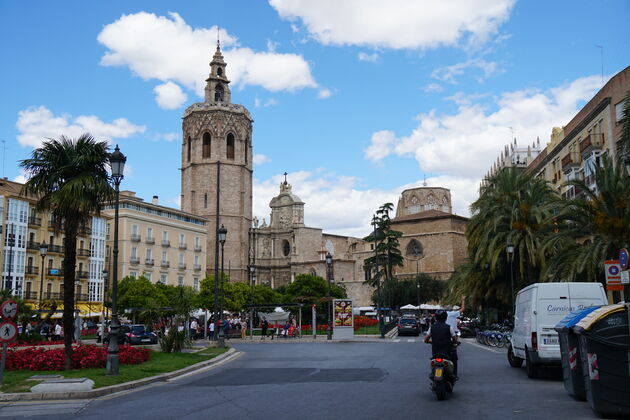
{"x": 4, "y": 152}
{"x": 601, "y": 47}
{"x": 424, "y": 183}
{"x": 218, "y": 38}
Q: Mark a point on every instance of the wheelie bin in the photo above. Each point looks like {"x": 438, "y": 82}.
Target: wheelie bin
{"x": 570, "y": 353}
{"x": 604, "y": 340}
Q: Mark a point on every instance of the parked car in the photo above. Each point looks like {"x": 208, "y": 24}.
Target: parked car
{"x": 539, "y": 307}
{"x": 408, "y": 326}
{"x": 138, "y": 334}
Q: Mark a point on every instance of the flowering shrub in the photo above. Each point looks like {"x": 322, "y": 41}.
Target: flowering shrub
{"x": 20, "y": 343}
{"x": 364, "y": 321}
{"x": 82, "y": 357}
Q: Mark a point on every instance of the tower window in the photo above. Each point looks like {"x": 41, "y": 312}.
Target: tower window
{"x": 189, "y": 146}
{"x": 230, "y": 146}
{"x": 205, "y": 201}
{"x": 218, "y": 93}
{"x": 206, "y": 145}
{"x": 246, "y": 147}
{"x": 219, "y": 71}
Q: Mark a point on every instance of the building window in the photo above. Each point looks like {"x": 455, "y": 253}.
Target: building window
{"x": 414, "y": 249}
{"x": 163, "y": 278}
{"x": 181, "y": 258}
{"x": 164, "y": 235}
{"x": 206, "y": 148}
{"x": 246, "y": 148}
{"x": 197, "y": 244}
{"x": 134, "y": 252}
{"x": 180, "y": 280}
{"x": 189, "y": 146}
{"x": 219, "y": 71}
{"x": 196, "y": 283}
{"x": 218, "y": 93}
{"x": 286, "y": 248}
{"x": 182, "y": 239}
{"x": 133, "y": 274}
{"x": 230, "y": 146}
{"x": 134, "y": 230}
{"x": 147, "y": 275}
{"x": 164, "y": 257}
{"x": 196, "y": 259}
{"x": 149, "y": 233}
{"x": 205, "y": 201}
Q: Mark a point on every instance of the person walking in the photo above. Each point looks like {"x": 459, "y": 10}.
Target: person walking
{"x": 243, "y": 328}
{"x": 264, "y": 325}
{"x": 58, "y": 332}
{"x": 211, "y": 327}
{"x": 193, "y": 329}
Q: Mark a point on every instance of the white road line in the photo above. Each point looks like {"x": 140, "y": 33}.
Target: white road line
{"x": 487, "y": 348}
{"x": 411, "y": 340}
{"x": 397, "y": 340}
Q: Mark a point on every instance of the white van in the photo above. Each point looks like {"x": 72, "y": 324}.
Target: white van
{"x": 539, "y": 308}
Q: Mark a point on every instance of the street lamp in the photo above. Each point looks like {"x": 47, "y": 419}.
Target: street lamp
{"x": 117, "y": 163}
{"x": 329, "y": 261}
{"x": 43, "y": 250}
{"x": 222, "y": 238}
{"x": 252, "y": 276}
{"x": 510, "y": 253}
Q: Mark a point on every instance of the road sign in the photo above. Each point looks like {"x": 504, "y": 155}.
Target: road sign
{"x": 613, "y": 272}
{"x": 8, "y": 331}
{"x": 8, "y": 309}
{"x": 623, "y": 258}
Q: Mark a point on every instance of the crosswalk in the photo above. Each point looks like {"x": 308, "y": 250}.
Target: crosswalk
{"x": 408, "y": 340}
{"x": 38, "y": 408}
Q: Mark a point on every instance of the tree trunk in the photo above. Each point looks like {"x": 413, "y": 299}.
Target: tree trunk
{"x": 69, "y": 268}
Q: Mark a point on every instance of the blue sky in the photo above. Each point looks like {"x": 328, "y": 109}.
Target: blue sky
{"x": 355, "y": 99}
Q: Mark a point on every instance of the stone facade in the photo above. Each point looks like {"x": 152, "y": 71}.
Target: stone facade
{"x": 217, "y": 169}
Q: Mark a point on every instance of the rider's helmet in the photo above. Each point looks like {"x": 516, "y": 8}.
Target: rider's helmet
{"x": 441, "y": 316}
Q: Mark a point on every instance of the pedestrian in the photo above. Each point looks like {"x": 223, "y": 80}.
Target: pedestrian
{"x": 285, "y": 329}
{"x": 211, "y": 328}
{"x": 226, "y": 330}
{"x": 58, "y": 331}
{"x": 244, "y": 329}
{"x": 263, "y": 325}
{"x": 193, "y": 329}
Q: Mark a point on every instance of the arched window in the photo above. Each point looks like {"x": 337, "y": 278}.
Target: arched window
{"x": 230, "y": 146}
{"x": 286, "y": 248}
{"x": 189, "y": 146}
{"x": 312, "y": 272}
{"x": 246, "y": 144}
{"x": 414, "y": 249}
{"x": 218, "y": 93}
{"x": 205, "y": 201}
{"x": 219, "y": 71}
{"x": 206, "y": 145}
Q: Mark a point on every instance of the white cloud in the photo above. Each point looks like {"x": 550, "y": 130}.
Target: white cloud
{"x": 466, "y": 143}
{"x": 397, "y": 24}
{"x": 433, "y": 87}
{"x": 176, "y": 201}
{"x": 169, "y": 136}
{"x": 324, "y": 94}
{"x": 373, "y": 58}
{"x": 260, "y": 103}
{"x": 22, "y": 177}
{"x": 35, "y": 124}
{"x": 449, "y": 73}
{"x": 169, "y": 95}
{"x": 179, "y": 54}
{"x": 338, "y": 205}
{"x": 260, "y": 159}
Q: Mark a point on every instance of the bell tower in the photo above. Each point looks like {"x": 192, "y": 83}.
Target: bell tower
{"x": 216, "y": 171}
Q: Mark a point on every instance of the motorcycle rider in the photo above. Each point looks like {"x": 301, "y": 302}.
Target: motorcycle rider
{"x": 443, "y": 339}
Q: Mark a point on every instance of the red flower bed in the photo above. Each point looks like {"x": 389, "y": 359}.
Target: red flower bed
{"x": 364, "y": 321}
{"x": 34, "y": 343}
{"x": 82, "y": 357}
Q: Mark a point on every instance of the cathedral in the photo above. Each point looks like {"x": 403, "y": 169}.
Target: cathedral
{"x": 216, "y": 182}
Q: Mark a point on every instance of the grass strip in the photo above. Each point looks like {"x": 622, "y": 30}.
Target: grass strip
{"x": 17, "y": 380}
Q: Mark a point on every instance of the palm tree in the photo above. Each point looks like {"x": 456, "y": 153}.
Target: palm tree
{"x": 513, "y": 206}
{"x": 624, "y": 141}
{"x": 592, "y": 227}
{"x": 71, "y": 179}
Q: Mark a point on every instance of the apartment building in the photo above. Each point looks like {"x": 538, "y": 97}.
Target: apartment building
{"x": 163, "y": 244}
{"x": 575, "y": 149}
{"x": 40, "y": 278}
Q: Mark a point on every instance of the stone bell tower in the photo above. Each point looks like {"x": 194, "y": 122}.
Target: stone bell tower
{"x": 216, "y": 169}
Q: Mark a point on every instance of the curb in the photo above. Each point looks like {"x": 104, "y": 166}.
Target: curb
{"x": 163, "y": 377}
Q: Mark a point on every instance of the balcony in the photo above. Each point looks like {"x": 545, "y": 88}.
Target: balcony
{"x": 181, "y": 266}
{"x": 135, "y": 237}
{"x": 85, "y": 231}
{"x": 82, "y": 252}
{"x": 149, "y": 241}
{"x": 589, "y": 179}
{"x": 53, "y": 296}
{"x": 55, "y": 272}
{"x": 51, "y": 224}
{"x": 34, "y": 221}
{"x": 33, "y": 245}
{"x": 197, "y": 248}
{"x": 82, "y": 297}
{"x": 592, "y": 141}
{"x": 29, "y": 295}
{"x": 165, "y": 264}
{"x": 149, "y": 261}
{"x": 134, "y": 260}
{"x": 82, "y": 275}
{"x": 166, "y": 242}
{"x": 55, "y": 249}
{"x": 197, "y": 267}
{"x": 32, "y": 270}
{"x": 183, "y": 246}
{"x": 572, "y": 159}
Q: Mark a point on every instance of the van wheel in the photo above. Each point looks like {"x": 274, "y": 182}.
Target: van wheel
{"x": 513, "y": 360}
{"x": 532, "y": 368}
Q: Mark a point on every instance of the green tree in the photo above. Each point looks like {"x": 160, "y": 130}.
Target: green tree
{"x": 139, "y": 293}
{"x": 400, "y": 292}
{"x": 309, "y": 289}
{"x": 592, "y": 227}
{"x": 70, "y": 179}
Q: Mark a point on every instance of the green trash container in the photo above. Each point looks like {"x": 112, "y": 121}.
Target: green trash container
{"x": 570, "y": 353}
{"x": 604, "y": 340}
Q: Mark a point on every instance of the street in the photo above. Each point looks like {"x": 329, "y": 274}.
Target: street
{"x": 362, "y": 380}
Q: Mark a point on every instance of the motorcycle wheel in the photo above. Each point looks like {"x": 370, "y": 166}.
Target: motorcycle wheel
{"x": 513, "y": 360}
{"x": 440, "y": 390}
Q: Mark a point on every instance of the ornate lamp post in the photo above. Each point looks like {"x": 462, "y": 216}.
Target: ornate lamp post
{"x": 329, "y": 261}
{"x": 117, "y": 162}
{"x": 43, "y": 250}
{"x": 252, "y": 277}
{"x": 222, "y": 238}
{"x": 509, "y": 248}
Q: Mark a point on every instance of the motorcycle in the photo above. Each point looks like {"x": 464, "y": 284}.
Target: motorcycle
{"x": 442, "y": 377}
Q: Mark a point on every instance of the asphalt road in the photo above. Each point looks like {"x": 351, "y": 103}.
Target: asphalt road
{"x": 383, "y": 380}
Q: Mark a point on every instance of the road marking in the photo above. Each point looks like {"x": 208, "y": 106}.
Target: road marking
{"x": 40, "y": 408}
{"x": 397, "y": 340}
{"x": 411, "y": 340}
